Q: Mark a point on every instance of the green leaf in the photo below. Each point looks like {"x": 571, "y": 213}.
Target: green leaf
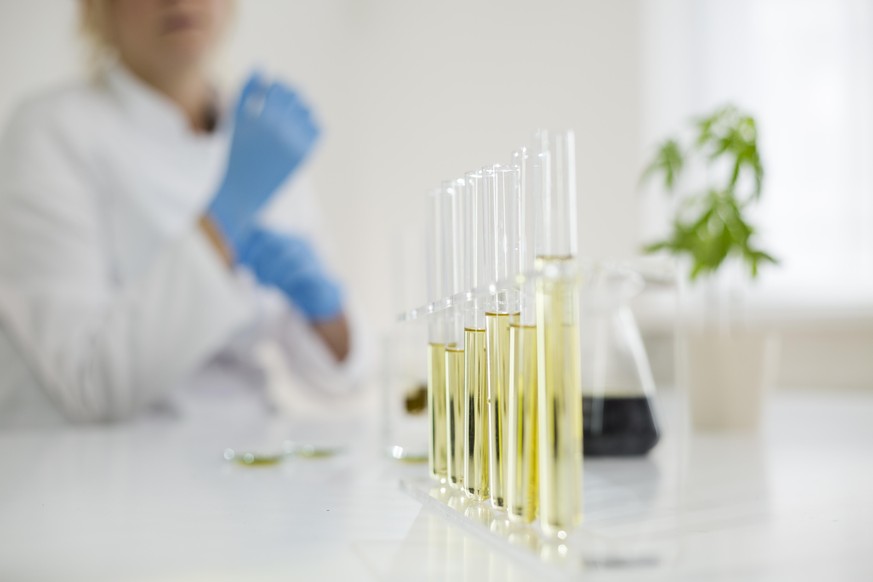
{"x": 766, "y": 257}
{"x": 710, "y": 226}
{"x": 657, "y": 246}
{"x": 668, "y": 161}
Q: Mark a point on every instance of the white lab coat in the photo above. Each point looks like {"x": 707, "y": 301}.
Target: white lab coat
{"x": 110, "y": 298}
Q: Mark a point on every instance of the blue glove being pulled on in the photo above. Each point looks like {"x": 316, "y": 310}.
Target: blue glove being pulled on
{"x": 289, "y": 264}
{"x": 272, "y": 135}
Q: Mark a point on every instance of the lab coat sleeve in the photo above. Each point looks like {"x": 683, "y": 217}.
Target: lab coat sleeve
{"x": 101, "y": 349}
{"x": 296, "y": 211}
{"x": 311, "y": 360}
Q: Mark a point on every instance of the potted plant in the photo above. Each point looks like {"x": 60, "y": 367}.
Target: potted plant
{"x": 718, "y": 176}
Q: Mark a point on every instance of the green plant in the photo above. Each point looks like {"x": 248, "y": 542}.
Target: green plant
{"x": 711, "y": 224}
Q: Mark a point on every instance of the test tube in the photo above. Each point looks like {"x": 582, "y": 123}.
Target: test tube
{"x": 501, "y": 194}
{"x": 559, "y": 382}
{"x": 522, "y": 434}
{"x": 453, "y": 224}
{"x": 436, "y": 370}
{"x": 475, "y": 357}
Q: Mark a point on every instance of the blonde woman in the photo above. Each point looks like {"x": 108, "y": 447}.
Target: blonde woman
{"x": 149, "y": 235}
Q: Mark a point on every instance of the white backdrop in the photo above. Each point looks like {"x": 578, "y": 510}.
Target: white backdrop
{"x": 412, "y": 93}
{"x": 804, "y": 68}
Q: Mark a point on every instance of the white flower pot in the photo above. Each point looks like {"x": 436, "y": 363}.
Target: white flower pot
{"x": 728, "y": 374}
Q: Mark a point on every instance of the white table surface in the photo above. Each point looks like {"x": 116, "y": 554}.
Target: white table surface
{"x": 155, "y": 501}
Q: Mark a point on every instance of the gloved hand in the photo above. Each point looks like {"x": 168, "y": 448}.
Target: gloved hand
{"x": 289, "y": 264}
{"x": 273, "y": 132}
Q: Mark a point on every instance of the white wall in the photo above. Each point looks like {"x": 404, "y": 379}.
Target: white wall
{"x": 412, "y": 93}
{"x": 444, "y": 87}
{"x": 38, "y": 48}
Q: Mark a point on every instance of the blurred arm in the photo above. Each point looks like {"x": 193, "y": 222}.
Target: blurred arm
{"x": 336, "y": 335}
{"x": 333, "y": 355}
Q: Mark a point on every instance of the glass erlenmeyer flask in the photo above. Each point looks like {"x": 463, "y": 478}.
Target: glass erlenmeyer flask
{"x": 617, "y": 385}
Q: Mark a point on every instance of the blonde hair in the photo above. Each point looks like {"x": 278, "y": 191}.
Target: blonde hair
{"x": 95, "y": 31}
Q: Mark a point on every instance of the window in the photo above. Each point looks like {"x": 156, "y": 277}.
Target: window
{"x": 805, "y": 69}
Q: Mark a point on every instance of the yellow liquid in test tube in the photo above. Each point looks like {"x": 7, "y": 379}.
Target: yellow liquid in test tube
{"x": 475, "y": 414}
{"x": 560, "y": 400}
{"x": 497, "y": 348}
{"x": 454, "y": 366}
{"x": 436, "y": 400}
{"x": 521, "y": 446}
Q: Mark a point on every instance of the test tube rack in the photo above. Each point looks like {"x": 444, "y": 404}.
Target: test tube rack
{"x": 504, "y": 386}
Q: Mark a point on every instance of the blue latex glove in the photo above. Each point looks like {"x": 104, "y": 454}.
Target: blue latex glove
{"x": 273, "y": 132}
{"x": 289, "y": 264}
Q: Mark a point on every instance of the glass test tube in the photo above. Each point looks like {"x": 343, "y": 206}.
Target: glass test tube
{"x": 522, "y": 434}
{"x": 501, "y": 189}
{"x": 559, "y": 381}
{"x": 436, "y": 370}
{"x": 453, "y": 223}
{"x": 475, "y": 357}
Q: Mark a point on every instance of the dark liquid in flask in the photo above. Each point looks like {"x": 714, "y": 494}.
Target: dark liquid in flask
{"x": 618, "y": 426}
